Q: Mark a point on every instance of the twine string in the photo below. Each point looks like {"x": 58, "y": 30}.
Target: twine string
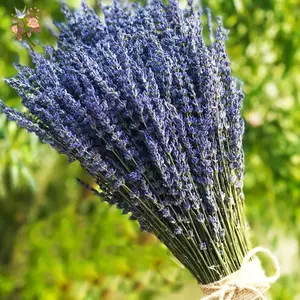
{"x": 230, "y": 287}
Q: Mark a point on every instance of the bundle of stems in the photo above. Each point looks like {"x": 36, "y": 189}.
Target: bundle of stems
{"x": 146, "y": 102}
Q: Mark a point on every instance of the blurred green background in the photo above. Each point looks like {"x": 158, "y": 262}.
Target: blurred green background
{"x": 57, "y": 241}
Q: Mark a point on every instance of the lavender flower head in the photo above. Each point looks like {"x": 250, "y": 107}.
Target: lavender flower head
{"x": 150, "y": 109}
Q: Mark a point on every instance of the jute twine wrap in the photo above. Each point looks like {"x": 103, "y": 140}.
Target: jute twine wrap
{"x": 248, "y": 283}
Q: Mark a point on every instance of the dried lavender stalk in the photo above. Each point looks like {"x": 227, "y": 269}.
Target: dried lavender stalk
{"x": 152, "y": 112}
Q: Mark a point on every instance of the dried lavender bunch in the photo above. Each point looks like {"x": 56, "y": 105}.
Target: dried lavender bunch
{"x": 152, "y": 112}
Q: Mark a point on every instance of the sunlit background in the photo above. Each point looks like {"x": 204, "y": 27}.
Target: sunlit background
{"x": 58, "y": 241}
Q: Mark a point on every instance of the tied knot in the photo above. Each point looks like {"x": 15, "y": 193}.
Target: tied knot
{"x": 248, "y": 283}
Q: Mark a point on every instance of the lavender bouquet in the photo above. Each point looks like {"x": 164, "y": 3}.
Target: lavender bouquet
{"x": 148, "y": 106}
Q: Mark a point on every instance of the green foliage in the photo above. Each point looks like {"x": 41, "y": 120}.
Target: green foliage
{"x": 85, "y": 250}
{"x": 60, "y": 242}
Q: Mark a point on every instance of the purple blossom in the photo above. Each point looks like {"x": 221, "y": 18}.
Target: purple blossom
{"x": 150, "y": 110}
